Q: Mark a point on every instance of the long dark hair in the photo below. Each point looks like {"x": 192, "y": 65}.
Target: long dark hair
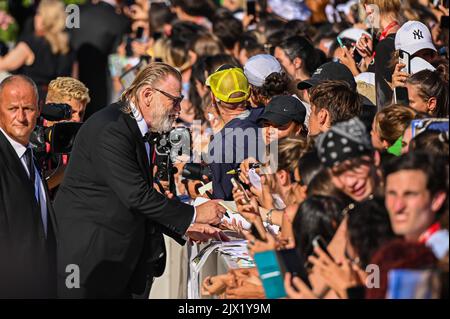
{"x": 301, "y": 47}
{"x": 318, "y": 215}
{"x": 368, "y": 228}
{"x": 197, "y": 8}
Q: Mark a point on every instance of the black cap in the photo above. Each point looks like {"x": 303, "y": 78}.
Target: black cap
{"x": 331, "y": 71}
{"x": 284, "y": 109}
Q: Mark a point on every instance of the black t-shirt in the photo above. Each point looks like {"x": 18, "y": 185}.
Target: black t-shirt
{"x": 255, "y": 113}
{"x": 46, "y": 66}
{"x": 383, "y": 70}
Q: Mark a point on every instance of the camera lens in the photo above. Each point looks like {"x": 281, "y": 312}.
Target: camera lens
{"x": 175, "y": 138}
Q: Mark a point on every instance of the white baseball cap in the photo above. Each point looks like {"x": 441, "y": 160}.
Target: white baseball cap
{"x": 414, "y": 36}
{"x": 419, "y": 64}
{"x": 290, "y": 9}
{"x": 259, "y": 67}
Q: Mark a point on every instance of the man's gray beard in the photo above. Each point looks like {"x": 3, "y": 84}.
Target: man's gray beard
{"x": 164, "y": 125}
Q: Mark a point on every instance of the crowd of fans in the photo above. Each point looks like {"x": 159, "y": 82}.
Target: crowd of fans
{"x": 359, "y": 167}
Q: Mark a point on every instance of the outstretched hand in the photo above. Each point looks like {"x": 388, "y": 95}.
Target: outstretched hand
{"x": 201, "y": 233}
{"x": 210, "y": 212}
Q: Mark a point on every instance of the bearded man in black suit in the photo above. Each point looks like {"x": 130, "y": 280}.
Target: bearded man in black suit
{"x": 110, "y": 218}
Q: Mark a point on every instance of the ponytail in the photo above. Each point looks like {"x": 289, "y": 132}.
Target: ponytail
{"x": 431, "y": 84}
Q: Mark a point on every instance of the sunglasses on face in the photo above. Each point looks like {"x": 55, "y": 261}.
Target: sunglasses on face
{"x": 176, "y": 99}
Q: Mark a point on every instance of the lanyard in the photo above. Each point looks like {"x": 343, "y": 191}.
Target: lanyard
{"x": 430, "y": 232}
{"x": 384, "y": 34}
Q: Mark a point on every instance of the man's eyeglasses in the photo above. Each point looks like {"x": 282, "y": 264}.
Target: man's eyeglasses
{"x": 176, "y": 99}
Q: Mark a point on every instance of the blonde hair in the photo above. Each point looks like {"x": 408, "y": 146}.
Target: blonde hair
{"x": 65, "y": 87}
{"x": 385, "y": 6}
{"x": 208, "y": 45}
{"x": 176, "y": 55}
{"x": 392, "y": 122}
{"x": 150, "y": 75}
{"x": 54, "y": 23}
{"x": 290, "y": 150}
{"x": 159, "y": 48}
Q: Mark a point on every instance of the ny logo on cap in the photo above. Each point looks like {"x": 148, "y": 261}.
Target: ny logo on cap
{"x": 418, "y": 35}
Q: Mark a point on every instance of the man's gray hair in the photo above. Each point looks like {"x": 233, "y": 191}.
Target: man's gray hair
{"x": 150, "y": 75}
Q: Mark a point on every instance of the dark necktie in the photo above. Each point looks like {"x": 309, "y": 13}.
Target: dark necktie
{"x": 147, "y": 140}
{"x": 30, "y": 166}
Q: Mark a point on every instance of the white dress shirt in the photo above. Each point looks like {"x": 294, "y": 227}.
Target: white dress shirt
{"x": 39, "y": 190}
{"x": 143, "y": 127}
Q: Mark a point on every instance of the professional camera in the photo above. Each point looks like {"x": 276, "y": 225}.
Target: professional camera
{"x": 195, "y": 172}
{"x": 60, "y": 137}
{"x": 171, "y": 147}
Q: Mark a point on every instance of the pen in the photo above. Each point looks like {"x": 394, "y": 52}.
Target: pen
{"x": 341, "y": 44}
{"x": 212, "y": 197}
{"x": 237, "y": 171}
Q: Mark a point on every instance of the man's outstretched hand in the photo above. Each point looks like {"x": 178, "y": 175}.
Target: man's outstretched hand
{"x": 203, "y": 233}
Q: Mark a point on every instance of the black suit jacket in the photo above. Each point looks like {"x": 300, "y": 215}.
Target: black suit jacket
{"x": 101, "y": 31}
{"x": 109, "y": 216}
{"x": 27, "y": 257}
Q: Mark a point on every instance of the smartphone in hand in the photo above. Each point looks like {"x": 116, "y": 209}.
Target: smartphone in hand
{"x": 239, "y": 186}
{"x": 444, "y": 22}
{"x": 318, "y": 241}
{"x": 405, "y": 58}
{"x": 140, "y": 34}
{"x": 357, "y": 56}
{"x": 269, "y": 271}
{"x": 292, "y": 262}
{"x": 251, "y": 7}
{"x": 401, "y": 93}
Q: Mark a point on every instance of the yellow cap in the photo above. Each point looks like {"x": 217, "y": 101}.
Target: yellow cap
{"x": 227, "y": 82}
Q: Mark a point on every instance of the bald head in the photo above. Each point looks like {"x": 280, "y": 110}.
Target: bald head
{"x": 18, "y": 107}
{"x": 19, "y": 80}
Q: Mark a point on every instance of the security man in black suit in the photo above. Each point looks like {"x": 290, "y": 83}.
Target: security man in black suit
{"x": 110, "y": 218}
{"x": 27, "y": 223}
